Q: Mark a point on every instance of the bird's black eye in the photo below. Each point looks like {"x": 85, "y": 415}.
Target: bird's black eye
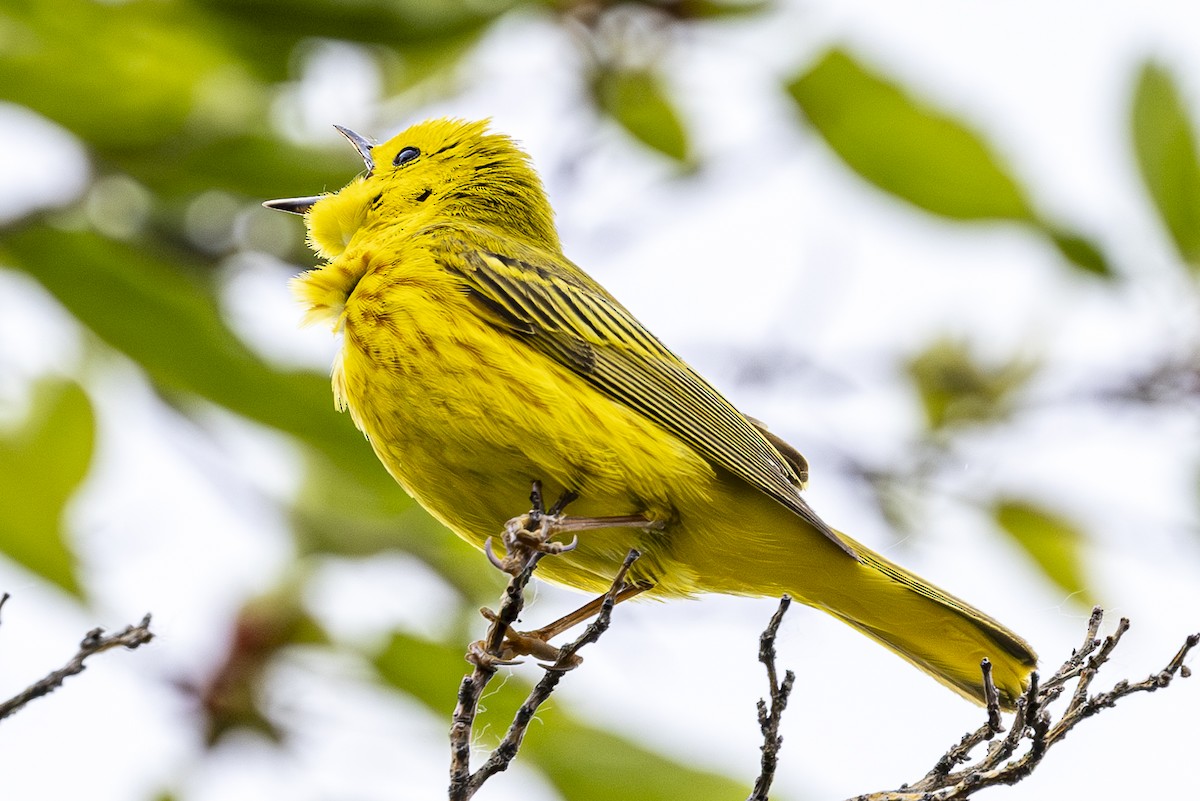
{"x": 404, "y": 156}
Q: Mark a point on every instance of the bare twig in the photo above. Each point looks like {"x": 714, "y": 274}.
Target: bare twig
{"x": 1006, "y": 760}
{"x": 961, "y": 752}
{"x": 1034, "y": 729}
{"x": 488, "y": 655}
{"x": 506, "y": 751}
{"x": 770, "y": 717}
{"x": 95, "y": 642}
{"x": 484, "y": 656}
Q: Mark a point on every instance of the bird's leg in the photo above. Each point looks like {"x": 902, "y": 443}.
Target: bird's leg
{"x": 528, "y": 538}
{"x": 536, "y": 643}
{"x": 533, "y": 531}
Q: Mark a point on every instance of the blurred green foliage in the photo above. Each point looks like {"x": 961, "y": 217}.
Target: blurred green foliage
{"x": 1054, "y": 543}
{"x": 955, "y": 389}
{"x": 176, "y": 104}
{"x": 637, "y": 100}
{"x": 919, "y": 153}
{"x": 573, "y": 754}
{"x": 1165, "y": 143}
{"x": 41, "y": 464}
{"x": 904, "y": 146}
{"x": 157, "y": 304}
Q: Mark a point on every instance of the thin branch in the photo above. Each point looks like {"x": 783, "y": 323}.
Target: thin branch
{"x": 770, "y": 717}
{"x": 484, "y": 656}
{"x": 1034, "y": 730}
{"x": 506, "y": 751}
{"x": 961, "y": 752}
{"x": 95, "y": 642}
{"x": 527, "y": 541}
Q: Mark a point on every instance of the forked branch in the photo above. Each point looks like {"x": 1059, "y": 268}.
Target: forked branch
{"x": 770, "y": 715}
{"x": 489, "y": 654}
{"x": 93, "y": 643}
{"x": 1008, "y": 758}
{"x": 1034, "y": 728}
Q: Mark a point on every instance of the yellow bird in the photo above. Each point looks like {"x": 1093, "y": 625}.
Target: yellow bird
{"x": 477, "y": 358}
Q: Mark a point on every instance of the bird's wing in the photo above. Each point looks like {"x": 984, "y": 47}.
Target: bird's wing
{"x": 558, "y": 309}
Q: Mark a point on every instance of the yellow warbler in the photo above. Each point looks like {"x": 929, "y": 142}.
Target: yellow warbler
{"x": 477, "y": 358}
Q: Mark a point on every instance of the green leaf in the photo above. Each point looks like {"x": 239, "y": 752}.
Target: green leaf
{"x": 1165, "y": 144}
{"x": 584, "y": 763}
{"x": 904, "y": 146}
{"x": 41, "y": 464}
{"x": 338, "y": 514}
{"x": 1053, "y": 542}
{"x": 395, "y": 23}
{"x": 715, "y": 9}
{"x": 1081, "y": 252}
{"x": 955, "y": 389}
{"x": 140, "y": 73}
{"x": 117, "y": 74}
{"x": 412, "y": 39}
{"x": 637, "y": 100}
{"x": 253, "y": 166}
{"x": 139, "y": 300}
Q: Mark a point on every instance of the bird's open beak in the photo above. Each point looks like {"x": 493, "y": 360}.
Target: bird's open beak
{"x": 362, "y": 144}
{"x": 301, "y": 205}
{"x": 292, "y": 205}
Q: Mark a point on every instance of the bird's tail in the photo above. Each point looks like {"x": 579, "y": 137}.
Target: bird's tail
{"x": 940, "y": 634}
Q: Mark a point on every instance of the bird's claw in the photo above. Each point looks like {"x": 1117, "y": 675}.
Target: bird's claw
{"x": 519, "y": 643}
{"x": 477, "y": 654}
{"x": 528, "y": 535}
{"x": 562, "y": 666}
{"x": 524, "y": 536}
{"x": 560, "y": 547}
{"x": 496, "y": 561}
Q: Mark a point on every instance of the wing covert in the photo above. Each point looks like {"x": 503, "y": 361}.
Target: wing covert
{"x": 562, "y": 312}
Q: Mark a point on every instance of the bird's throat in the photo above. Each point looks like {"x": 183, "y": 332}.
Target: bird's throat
{"x": 323, "y": 292}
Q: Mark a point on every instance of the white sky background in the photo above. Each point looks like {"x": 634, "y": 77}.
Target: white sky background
{"x": 822, "y": 264}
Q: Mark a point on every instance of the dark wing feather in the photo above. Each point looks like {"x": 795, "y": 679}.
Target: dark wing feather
{"x": 572, "y": 319}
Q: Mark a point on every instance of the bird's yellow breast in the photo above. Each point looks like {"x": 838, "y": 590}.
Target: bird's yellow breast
{"x": 466, "y": 416}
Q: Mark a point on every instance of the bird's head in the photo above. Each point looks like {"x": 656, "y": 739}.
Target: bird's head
{"x": 437, "y": 169}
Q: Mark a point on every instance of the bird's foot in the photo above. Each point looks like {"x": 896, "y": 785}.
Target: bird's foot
{"x": 536, "y": 643}
{"x": 526, "y": 539}
{"x": 523, "y": 643}
{"x": 533, "y": 532}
